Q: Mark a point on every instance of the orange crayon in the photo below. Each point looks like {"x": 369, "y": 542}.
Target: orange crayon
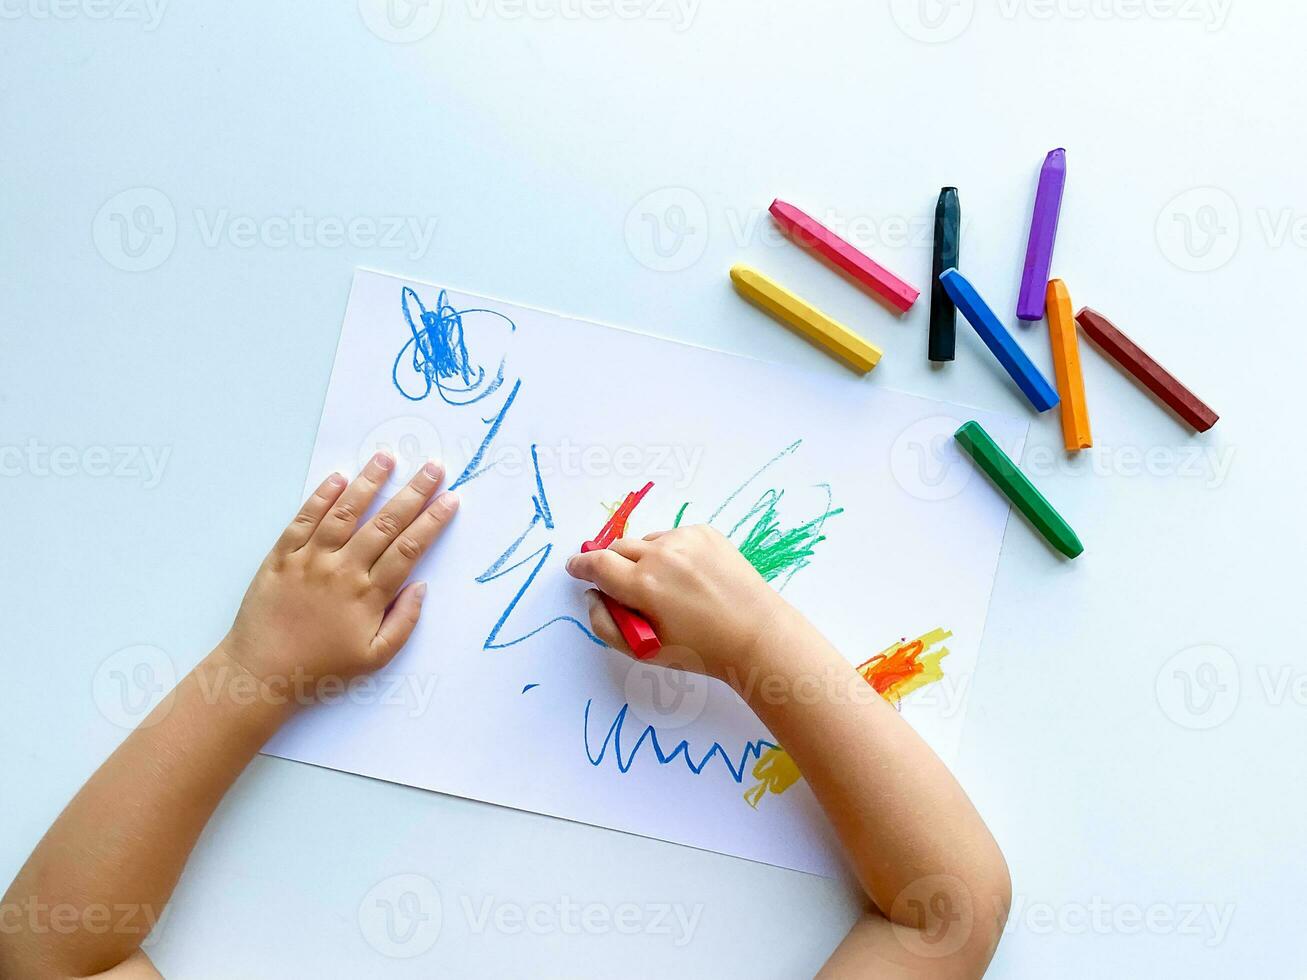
{"x": 1066, "y": 365}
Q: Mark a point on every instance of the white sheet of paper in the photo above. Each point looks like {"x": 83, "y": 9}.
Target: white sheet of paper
{"x": 544, "y": 422}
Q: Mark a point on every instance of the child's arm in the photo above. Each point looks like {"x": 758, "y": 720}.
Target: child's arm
{"x": 935, "y": 876}
{"x": 326, "y": 603}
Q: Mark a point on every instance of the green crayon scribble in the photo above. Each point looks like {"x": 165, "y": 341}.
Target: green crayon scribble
{"x": 774, "y": 551}
{"x": 769, "y": 548}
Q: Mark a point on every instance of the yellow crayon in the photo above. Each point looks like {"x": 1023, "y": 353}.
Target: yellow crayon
{"x": 1066, "y": 363}
{"x": 836, "y": 338}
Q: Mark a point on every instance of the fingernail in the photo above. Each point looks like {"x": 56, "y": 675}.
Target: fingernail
{"x": 384, "y": 460}
{"x": 448, "y": 500}
{"x": 432, "y": 469}
{"x": 336, "y": 480}
{"x": 420, "y": 591}
{"x": 571, "y": 562}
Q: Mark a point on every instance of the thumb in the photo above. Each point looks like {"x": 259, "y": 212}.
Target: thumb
{"x": 397, "y": 625}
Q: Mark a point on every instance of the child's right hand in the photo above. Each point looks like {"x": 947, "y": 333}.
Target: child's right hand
{"x": 695, "y": 588}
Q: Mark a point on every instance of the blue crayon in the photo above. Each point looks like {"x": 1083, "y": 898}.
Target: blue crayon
{"x": 1001, "y": 343}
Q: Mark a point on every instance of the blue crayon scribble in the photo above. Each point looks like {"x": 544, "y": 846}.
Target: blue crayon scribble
{"x": 540, "y": 500}
{"x": 500, "y": 567}
{"x": 649, "y": 736}
{"x": 474, "y": 467}
{"x": 529, "y": 687}
{"x": 437, "y": 352}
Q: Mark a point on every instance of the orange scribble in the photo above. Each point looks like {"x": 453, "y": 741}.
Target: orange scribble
{"x": 901, "y": 668}
{"x": 894, "y": 673}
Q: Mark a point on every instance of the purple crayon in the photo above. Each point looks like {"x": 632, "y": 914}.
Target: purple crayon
{"x": 1043, "y": 232}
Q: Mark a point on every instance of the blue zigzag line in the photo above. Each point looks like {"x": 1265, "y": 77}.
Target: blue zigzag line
{"x": 752, "y": 749}
{"x": 500, "y": 567}
{"x": 474, "y": 468}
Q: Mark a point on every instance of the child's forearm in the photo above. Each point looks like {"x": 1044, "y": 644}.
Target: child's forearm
{"x": 913, "y": 837}
{"x": 100, "y": 877}
{"x": 329, "y": 601}
{"x": 935, "y": 875}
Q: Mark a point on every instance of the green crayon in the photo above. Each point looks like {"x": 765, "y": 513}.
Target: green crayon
{"x": 1017, "y": 488}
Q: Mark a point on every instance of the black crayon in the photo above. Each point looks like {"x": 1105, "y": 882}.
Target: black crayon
{"x": 943, "y": 314}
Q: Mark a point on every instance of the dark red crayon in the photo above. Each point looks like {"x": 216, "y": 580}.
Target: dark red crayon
{"x": 1152, "y": 375}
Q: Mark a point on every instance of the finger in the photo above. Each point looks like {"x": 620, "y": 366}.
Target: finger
{"x": 341, "y": 519}
{"x": 299, "y": 530}
{"x": 396, "y": 562}
{"x": 601, "y": 621}
{"x": 655, "y": 535}
{"x": 632, "y": 548}
{"x": 397, "y": 625}
{"x": 612, "y": 573}
{"x": 374, "y": 537}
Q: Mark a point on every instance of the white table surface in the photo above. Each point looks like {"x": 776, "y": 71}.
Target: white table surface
{"x": 1148, "y": 834}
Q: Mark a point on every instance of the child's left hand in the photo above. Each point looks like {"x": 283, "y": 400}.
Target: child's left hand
{"x": 326, "y": 602}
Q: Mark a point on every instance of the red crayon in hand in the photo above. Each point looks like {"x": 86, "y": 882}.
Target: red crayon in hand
{"x": 635, "y": 630}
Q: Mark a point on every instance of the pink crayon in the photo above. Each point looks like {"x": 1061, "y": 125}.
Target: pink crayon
{"x": 819, "y": 239}
{"x": 1043, "y": 232}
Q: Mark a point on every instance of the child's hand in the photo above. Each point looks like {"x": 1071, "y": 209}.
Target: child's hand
{"x": 326, "y": 602}
{"x": 696, "y": 590}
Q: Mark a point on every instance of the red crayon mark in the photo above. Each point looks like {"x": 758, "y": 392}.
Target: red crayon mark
{"x": 635, "y": 630}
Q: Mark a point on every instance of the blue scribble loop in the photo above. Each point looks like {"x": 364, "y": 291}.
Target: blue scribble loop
{"x": 437, "y": 353}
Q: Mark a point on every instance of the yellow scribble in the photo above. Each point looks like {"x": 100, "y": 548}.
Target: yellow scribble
{"x": 895, "y": 672}
{"x": 776, "y": 772}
